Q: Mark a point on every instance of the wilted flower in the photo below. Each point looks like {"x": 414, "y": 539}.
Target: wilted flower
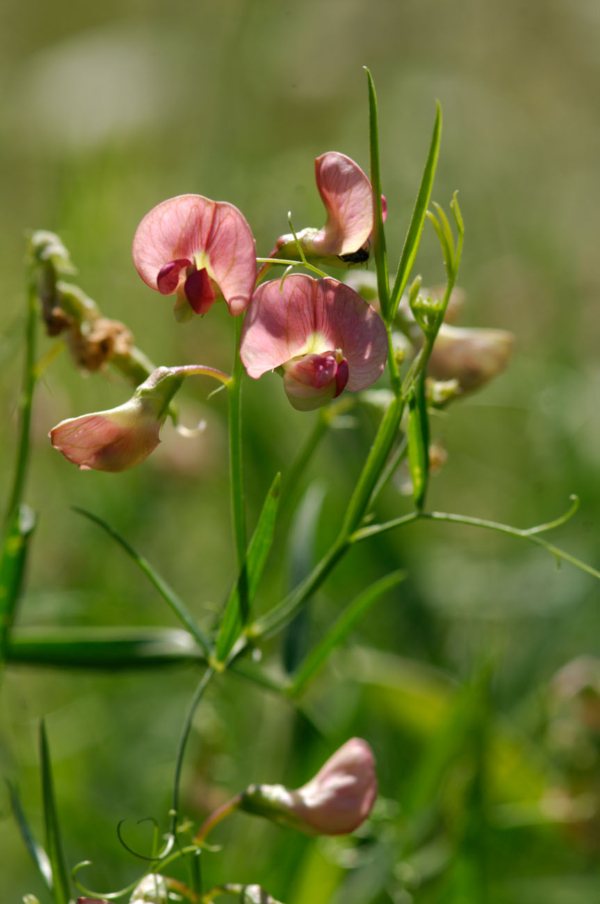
{"x": 335, "y": 802}
{"x": 122, "y": 437}
{"x": 470, "y": 355}
{"x": 348, "y": 198}
{"x": 153, "y": 889}
{"x": 324, "y": 336}
{"x": 197, "y": 249}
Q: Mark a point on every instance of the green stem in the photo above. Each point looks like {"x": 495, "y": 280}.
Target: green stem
{"x": 274, "y": 261}
{"x": 235, "y": 463}
{"x": 384, "y": 440}
{"x": 183, "y": 742}
{"x": 26, "y": 402}
{"x": 278, "y": 617}
{"x": 558, "y": 553}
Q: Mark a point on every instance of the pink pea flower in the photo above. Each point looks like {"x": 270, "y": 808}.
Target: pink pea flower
{"x": 335, "y": 802}
{"x": 348, "y": 198}
{"x": 122, "y": 437}
{"x": 197, "y": 249}
{"x": 322, "y": 334}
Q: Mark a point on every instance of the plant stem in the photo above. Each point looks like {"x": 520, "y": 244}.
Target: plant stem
{"x": 235, "y": 466}
{"x": 219, "y": 814}
{"x": 183, "y": 742}
{"x": 25, "y": 403}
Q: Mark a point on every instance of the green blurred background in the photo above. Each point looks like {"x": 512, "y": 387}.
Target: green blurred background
{"x": 488, "y": 767}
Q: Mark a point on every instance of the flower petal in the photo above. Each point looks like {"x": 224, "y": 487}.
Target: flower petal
{"x": 348, "y": 198}
{"x": 312, "y": 316}
{"x": 213, "y": 234}
{"x": 169, "y": 276}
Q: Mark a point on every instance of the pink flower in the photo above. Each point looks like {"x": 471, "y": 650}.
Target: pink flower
{"x": 197, "y": 249}
{"x": 348, "y": 198}
{"x": 335, "y": 802}
{"x": 324, "y": 336}
{"x": 122, "y": 437}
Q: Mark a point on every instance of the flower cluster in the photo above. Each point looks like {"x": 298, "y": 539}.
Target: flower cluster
{"x": 320, "y": 335}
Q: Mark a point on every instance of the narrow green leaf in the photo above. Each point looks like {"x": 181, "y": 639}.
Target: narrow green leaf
{"x": 379, "y": 248}
{"x": 102, "y": 648}
{"x": 12, "y": 568}
{"x": 418, "y": 442}
{"x": 38, "y": 854}
{"x": 413, "y": 236}
{"x": 348, "y": 620}
{"x": 447, "y": 253}
{"x": 60, "y": 879}
{"x": 234, "y": 618}
{"x": 167, "y": 593}
{"x": 446, "y": 227}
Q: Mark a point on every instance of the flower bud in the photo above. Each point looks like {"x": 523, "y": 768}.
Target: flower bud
{"x": 335, "y": 802}
{"x": 471, "y": 356}
{"x": 122, "y": 437}
{"x": 152, "y": 889}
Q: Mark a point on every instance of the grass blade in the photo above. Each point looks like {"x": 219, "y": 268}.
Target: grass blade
{"x": 234, "y": 617}
{"x": 167, "y": 593}
{"x": 60, "y": 879}
{"x": 38, "y": 854}
{"x": 413, "y": 236}
{"x": 379, "y": 248}
{"x": 348, "y": 620}
{"x": 12, "y": 568}
{"x": 102, "y": 648}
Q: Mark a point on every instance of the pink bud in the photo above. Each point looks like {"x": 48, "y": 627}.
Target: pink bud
{"x": 122, "y": 437}
{"x": 197, "y": 249}
{"x": 335, "y": 802}
{"x": 348, "y": 198}
{"x": 470, "y": 355}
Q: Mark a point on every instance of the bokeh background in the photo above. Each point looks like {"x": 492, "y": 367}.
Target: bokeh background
{"x": 488, "y": 762}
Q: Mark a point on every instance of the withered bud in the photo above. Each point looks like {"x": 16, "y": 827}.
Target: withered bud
{"x": 94, "y": 344}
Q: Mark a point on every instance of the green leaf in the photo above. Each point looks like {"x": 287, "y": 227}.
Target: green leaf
{"x": 167, "y": 593}
{"x": 413, "y": 236}
{"x": 418, "y": 442}
{"x": 234, "y": 618}
{"x": 37, "y": 852}
{"x": 347, "y": 621}
{"x": 379, "y": 248}
{"x": 12, "y": 568}
{"x": 102, "y": 648}
{"x": 60, "y": 880}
